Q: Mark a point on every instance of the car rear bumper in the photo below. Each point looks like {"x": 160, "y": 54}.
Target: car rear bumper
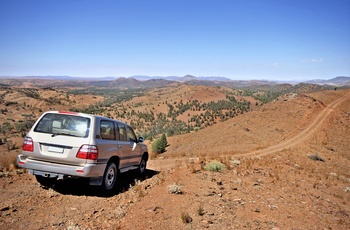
{"x": 49, "y": 169}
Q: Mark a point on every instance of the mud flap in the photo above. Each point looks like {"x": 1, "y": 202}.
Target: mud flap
{"x": 96, "y": 181}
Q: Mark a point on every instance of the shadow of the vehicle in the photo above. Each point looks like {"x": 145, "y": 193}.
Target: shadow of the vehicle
{"x": 81, "y": 187}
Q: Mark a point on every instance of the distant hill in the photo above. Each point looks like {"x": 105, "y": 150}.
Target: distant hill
{"x": 337, "y": 81}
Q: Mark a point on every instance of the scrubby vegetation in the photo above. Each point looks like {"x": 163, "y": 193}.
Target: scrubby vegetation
{"x": 215, "y": 166}
{"x": 162, "y": 111}
{"x": 149, "y": 123}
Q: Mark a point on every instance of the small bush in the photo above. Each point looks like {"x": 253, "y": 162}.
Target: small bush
{"x": 160, "y": 144}
{"x": 11, "y": 146}
{"x": 175, "y": 189}
{"x": 215, "y": 166}
{"x": 156, "y": 148}
{"x": 138, "y": 188}
{"x": 315, "y": 157}
{"x": 186, "y": 218}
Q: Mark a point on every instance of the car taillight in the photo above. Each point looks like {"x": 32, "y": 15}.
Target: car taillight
{"x": 28, "y": 144}
{"x": 89, "y": 152}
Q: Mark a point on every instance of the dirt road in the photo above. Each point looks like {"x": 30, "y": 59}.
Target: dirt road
{"x": 303, "y": 134}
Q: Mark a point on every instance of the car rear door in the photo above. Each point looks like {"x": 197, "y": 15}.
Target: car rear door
{"x": 123, "y": 145}
{"x": 106, "y": 141}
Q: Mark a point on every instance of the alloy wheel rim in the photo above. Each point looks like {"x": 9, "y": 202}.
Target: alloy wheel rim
{"x": 110, "y": 177}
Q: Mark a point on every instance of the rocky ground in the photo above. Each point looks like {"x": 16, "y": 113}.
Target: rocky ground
{"x": 286, "y": 167}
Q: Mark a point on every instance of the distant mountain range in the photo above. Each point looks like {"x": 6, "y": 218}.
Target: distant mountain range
{"x": 337, "y": 81}
{"x": 181, "y": 79}
{"x": 142, "y": 81}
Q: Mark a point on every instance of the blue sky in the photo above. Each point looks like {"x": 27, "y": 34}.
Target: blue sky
{"x": 246, "y": 39}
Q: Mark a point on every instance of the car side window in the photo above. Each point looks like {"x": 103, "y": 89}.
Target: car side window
{"x": 107, "y": 131}
{"x": 130, "y": 134}
{"x": 122, "y": 132}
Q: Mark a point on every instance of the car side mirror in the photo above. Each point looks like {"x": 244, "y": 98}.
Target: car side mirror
{"x": 141, "y": 139}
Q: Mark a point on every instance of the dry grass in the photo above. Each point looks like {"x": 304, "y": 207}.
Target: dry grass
{"x": 200, "y": 210}
{"x": 138, "y": 189}
{"x": 186, "y": 218}
{"x": 8, "y": 161}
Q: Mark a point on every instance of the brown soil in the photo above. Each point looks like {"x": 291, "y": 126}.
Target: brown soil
{"x": 287, "y": 167}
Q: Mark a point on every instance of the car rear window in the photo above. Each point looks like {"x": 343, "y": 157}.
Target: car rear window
{"x": 63, "y": 124}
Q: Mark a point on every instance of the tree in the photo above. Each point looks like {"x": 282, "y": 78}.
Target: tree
{"x": 160, "y": 144}
{"x": 164, "y": 142}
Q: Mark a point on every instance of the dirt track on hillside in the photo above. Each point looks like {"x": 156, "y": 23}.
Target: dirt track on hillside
{"x": 303, "y": 134}
{"x": 281, "y": 188}
{"x": 297, "y": 138}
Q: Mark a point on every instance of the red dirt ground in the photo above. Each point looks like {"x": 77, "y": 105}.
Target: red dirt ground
{"x": 272, "y": 180}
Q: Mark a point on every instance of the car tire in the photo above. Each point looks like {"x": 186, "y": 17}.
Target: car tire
{"x": 45, "y": 181}
{"x": 143, "y": 166}
{"x": 110, "y": 177}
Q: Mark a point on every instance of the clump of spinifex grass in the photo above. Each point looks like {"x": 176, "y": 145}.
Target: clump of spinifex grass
{"x": 215, "y": 166}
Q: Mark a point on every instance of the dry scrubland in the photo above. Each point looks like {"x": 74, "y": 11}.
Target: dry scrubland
{"x": 284, "y": 165}
{"x": 174, "y": 109}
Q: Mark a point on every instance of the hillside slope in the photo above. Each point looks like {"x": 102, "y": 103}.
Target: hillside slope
{"x": 289, "y": 169}
{"x": 302, "y": 183}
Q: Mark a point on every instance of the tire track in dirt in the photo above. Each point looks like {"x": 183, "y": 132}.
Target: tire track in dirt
{"x": 301, "y": 136}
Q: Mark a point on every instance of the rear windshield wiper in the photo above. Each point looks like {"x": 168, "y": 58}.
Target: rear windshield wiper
{"x": 66, "y": 134}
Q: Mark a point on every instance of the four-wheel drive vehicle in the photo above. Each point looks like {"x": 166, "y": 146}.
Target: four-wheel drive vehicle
{"x": 68, "y": 144}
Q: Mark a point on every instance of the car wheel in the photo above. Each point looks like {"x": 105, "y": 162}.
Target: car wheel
{"x": 45, "y": 181}
{"x": 143, "y": 165}
{"x": 110, "y": 176}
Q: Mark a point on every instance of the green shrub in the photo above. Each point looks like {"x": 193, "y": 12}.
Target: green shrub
{"x": 215, "y": 166}
{"x": 156, "y": 148}
{"x": 160, "y": 144}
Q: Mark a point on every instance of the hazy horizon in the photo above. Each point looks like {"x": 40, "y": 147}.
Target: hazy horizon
{"x": 162, "y": 77}
{"x": 272, "y": 40}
